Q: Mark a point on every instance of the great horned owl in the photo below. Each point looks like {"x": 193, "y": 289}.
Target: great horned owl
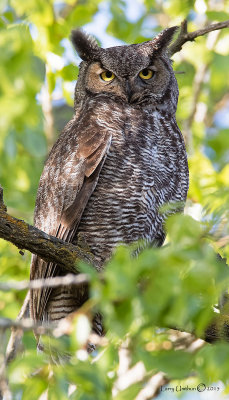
{"x": 119, "y": 159}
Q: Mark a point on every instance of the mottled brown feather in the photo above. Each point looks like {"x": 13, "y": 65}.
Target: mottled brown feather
{"x": 94, "y": 156}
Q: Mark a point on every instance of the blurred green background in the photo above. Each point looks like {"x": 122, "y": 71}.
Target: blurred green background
{"x": 38, "y": 71}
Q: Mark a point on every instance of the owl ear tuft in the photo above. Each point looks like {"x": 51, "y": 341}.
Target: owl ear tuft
{"x": 163, "y": 39}
{"x": 85, "y": 45}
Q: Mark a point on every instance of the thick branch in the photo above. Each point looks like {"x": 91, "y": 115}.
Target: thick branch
{"x": 48, "y": 247}
{"x": 185, "y": 36}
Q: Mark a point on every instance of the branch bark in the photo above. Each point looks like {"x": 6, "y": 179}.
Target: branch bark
{"x": 48, "y": 247}
{"x": 185, "y": 36}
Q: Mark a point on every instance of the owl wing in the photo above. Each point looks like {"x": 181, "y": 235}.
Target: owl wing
{"x": 67, "y": 182}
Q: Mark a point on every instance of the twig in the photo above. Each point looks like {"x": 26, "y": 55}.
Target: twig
{"x": 133, "y": 375}
{"x": 66, "y": 280}
{"x": 15, "y": 341}
{"x": 66, "y": 11}
{"x": 57, "y": 329}
{"x": 152, "y": 387}
{"x": 197, "y": 88}
{"x": 223, "y": 241}
{"x": 185, "y": 36}
{"x": 18, "y": 327}
{"x": 48, "y": 247}
{"x": 13, "y": 347}
{"x": 26, "y": 325}
{"x": 217, "y": 329}
{"x": 5, "y": 392}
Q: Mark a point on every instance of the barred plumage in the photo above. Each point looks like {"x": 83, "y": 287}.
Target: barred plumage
{"x": 119, "y": 159}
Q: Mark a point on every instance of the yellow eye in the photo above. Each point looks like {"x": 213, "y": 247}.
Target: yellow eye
{"x": 146, "y": 73}
{"x": 107, "y": 76}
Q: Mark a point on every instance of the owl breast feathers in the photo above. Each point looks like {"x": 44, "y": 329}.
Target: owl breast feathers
{"x": 116, "y": 163}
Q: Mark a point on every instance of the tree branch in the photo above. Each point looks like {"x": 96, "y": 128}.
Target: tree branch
{"x": 48, "y": 247}
{"x": 15, "y": 340}
{"x": 26, "y": 325}
{"x": 185, "y": 36}
{"x": 69, "y": 279}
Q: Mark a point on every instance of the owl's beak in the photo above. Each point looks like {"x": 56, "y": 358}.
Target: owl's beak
{"x": 129, "y": 92}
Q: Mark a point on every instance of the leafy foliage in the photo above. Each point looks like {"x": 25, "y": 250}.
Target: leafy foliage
{"x": 173, "y": 286}
{"x": 176, "y": 285}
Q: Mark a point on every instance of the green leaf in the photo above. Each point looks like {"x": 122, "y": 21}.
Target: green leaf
{"x": 175, "y": 364}
{"x": 129, "y": 393}
{"x": 35, "y": 143}
{"x": 69, "y": 72}
{"x": 10, "y": 145}
{"x": 217, "y": 16}
{"x": 219, "y": 143}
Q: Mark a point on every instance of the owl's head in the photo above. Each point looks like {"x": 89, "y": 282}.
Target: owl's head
{"x": 138, "y": 74}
